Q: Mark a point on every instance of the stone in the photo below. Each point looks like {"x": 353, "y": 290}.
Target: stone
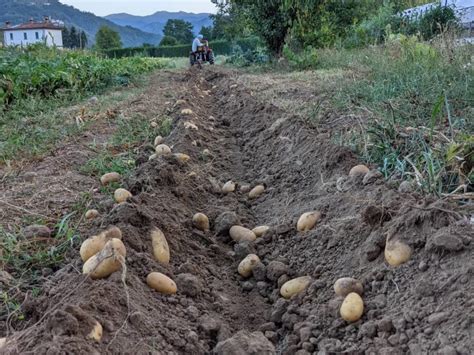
{"x": 372, "y": 176}
{"x": 245, "y": 342}
{"x": 225, "y": 221}
{"x": 275, "y": 269}
{"x": 385, "y": 325}
{"x": 437, "y": 318}
{"x": 188, "y": 285}
{"x": 445, "y": 240}
{"x": 36, "y": 231}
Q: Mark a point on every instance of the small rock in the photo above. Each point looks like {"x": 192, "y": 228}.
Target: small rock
{"x": 225, "y": 221}
{"x": 188, "y": 285}
{"x": 94, "y": 100}
{"x": 368, "y": 329}
{"x": 372, "y": 176}
{"x": 279, "y": 308}
{"x": 245, "y": 342}
{"x": 423, "y": 266}
{"x": 275, "y": 269}
{"x": 209, "y": 325}
{"x": 405, "y": 187}
{"x": 36, "y": 231}
{"x": 385, "y": 325}
{"x": 445, "y": 240}
{"x": 244, "y": 248}
{"x": 259, "y": 272}
{"x": 437, "y": 318}
{"x": 29, "y": 176}
{"x": 248, "y": 286}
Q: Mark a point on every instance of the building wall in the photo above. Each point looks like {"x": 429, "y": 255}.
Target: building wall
{"x": 464, "y": 9}
{"x": 17, "y": 37}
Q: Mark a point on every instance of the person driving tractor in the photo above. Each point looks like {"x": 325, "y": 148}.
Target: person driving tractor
{"x": 200, "y": 51}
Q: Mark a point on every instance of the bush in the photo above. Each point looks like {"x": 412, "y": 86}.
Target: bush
{"x": 242, "y": 58}
{"x": 168, "y": 41}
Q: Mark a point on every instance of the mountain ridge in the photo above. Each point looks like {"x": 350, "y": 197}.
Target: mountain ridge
{"x": 155, "y": 22}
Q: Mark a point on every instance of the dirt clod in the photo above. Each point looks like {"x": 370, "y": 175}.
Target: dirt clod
{"x": 245, "y": 342}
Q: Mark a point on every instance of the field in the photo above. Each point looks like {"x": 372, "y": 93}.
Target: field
{"x": 297, "y": 126}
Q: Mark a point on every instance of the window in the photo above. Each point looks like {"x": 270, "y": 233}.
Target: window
{"x": 37, "y": 35}
{"x": 25, "y": 35}
{"x": 11, "y": 36}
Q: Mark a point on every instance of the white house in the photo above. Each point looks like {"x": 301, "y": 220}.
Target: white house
{"x": 47, "y": 31}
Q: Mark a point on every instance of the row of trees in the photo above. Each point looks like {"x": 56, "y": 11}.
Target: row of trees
{"x": 319, "y": 22}
{"x": 72, "y": 38}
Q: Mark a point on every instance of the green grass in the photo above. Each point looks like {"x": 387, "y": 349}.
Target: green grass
{"x": 416, "y": 104}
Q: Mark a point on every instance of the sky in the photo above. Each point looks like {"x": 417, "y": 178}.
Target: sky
{"x": 140, "y": 7}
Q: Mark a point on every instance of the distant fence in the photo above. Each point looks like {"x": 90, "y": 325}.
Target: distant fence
{"x": 219, "y": 48}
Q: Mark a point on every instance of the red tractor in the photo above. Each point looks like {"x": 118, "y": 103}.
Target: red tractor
{"x": 204, "y": 54}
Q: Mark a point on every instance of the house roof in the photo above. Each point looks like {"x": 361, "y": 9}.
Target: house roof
{"x": 34, "y": 26}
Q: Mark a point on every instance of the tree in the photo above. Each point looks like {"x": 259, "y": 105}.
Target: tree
{"x": 107, "y": 38}
{"x": 179, "y": 29}
{"x": 207, "y": 32}
{"x": 74, "y": 39}
{"x": 168, "y": 41}
{"x": 66, "y": 38}
{"x": 83, "y": 40}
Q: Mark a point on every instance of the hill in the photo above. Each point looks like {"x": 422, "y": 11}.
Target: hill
{"x": 18, "y": 11}
{"x": 156, "y": 22}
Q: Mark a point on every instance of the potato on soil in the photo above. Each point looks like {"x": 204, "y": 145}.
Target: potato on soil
{"x": 190, "y": 125}
{"x": 260, "y": 230}
{"x": 109, "y": 178}
{"x": 158, "y": 140}
{"x": 91, "y": 214}
{"x": 162, "y": 149}
{"x": 107, "y": 261}
{"x": 397, "y": 253}
{"x": 180, "y": 102}
{"x": 122, "y": 195}
{"x": 161, "y": 250}
{"x": 295, "y": 286}
{"x": 228, "y": 187}
{"x": 256, "y": 191}
{"x": 187, "y": 111}
{"x": 239, "y": 233}
{"x": 95, "y": 244}
{"x": 161, "y": 283}
{"x": 183, "y": 158}
{"x": 347, "y": 285}
{"x": 201, "y": 221}
{"x": 359, "y": 170}
{"x": 308, "y": 220}
{"x": 352, "y": 308}
{"x": 96, "y": 332}
{"x": 247, "y": 265}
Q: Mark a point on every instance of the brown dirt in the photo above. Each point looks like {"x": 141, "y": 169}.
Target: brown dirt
{"x": 423, "y": 306}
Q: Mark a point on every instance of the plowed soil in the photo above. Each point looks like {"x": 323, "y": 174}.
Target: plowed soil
{"x": 422, "y": 306}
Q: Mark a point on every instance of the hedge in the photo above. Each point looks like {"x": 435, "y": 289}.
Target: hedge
{"x": 219, "y": 48}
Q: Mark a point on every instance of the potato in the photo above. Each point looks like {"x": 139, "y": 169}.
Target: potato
{"x": 95, "y": 244}
{"x": 256, "y": 191}
{"x": 152, "y": 157}
{"x": 187, "y": 111}
{"x": 109, "y": 178}
{"x": 91, "y": 214}
{"x": 183, "y": 158}
{"x": 308, "y": 220}
{"x": 122, "y": 195}
{"x": 161, "y": 250}
{"x": 107, "y": 261}
{"x": 359, "y": 170}
{"x": 238, "y": 233}
{"x": 206, "y": 152}
{"x": 190, "y": 125}
{"x": 397, "y": 253}
{"x": 228, "y": 187}
{"x": 295, "y": 286}
{"x": 180, "y": 102}
{"x": 247, "y": 265}
{"x": 154, "y": 124}
{"x": 352, "y": 308}
{"x": 158, "y": 140}
{"x": 161, "y": 283}
{"x": 162, "y": 149}
{"x": 96, "y": 332}
{"x": 347, "y": 285}
{"x": 201, "y": 221}
{"x": 260, "y": 230}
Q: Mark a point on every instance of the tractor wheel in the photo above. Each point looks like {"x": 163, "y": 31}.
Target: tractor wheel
{"x": 192, "y": 59}
{"x": 211, "y": 58}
